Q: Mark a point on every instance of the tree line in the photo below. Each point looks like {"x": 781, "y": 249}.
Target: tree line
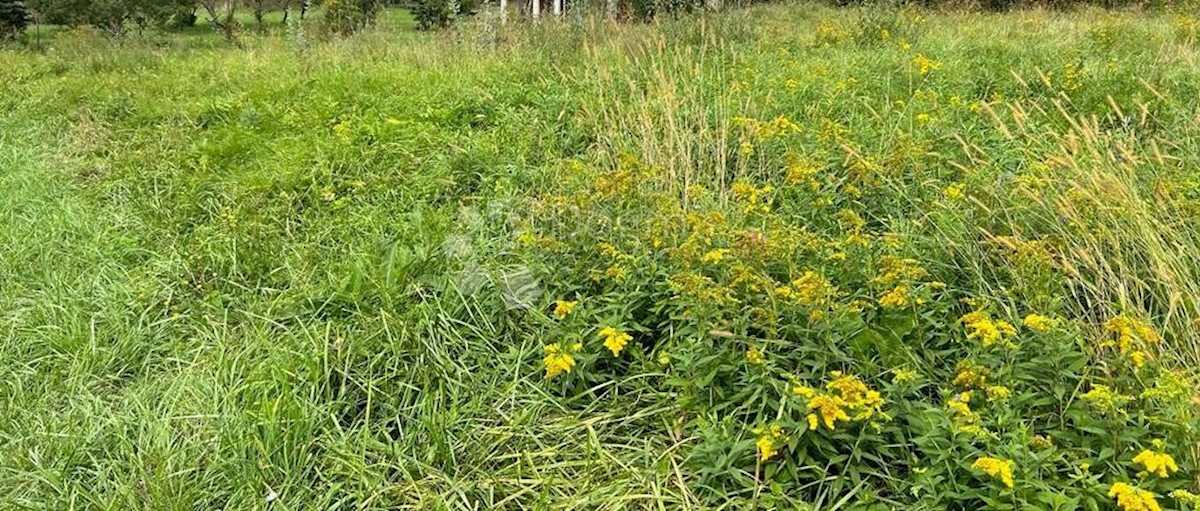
{"x": 117, "y": 16}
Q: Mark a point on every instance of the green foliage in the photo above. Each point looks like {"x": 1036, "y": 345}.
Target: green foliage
{"x": 434, "y": 14}
{"x": 337, "y": 273}
{"x": 348, "y": 16}
{"x": 13, "y": 18}
{"x": 109, "y": 15}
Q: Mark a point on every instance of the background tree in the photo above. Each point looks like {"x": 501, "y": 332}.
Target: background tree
{"x": 111, "y": 16}
{"x": 13, "y": 18}
{"x": 221, "y": 15}
{"x": 349, "y": 16}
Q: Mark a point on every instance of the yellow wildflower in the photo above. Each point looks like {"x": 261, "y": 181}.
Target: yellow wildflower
{"x": 1131, "y": 498}
{"x": 804, "y": 391}
{"x": 1138, "y": 358}
{"x": 987, "y": 330}
{"x": 1038, "y": 323}
{"x": 1131, "y": 332}
{"x": 856, "y": 395}
{"x": 895, "y": 298}
{"x": 755, "y": 355}
{"x": 831, "y": 408}
{"x": 974, "y": 430}
{"x": 998, "y": 468}
{"x": 563, "y": 307}
{"x": 615, "y": 340}
{"x": 1160, "y": 464}
{"x": 903, "y": 376}
{"x": 960, "y": 407}
{"x": 969, "y": 374}
{"x": 768, "y": 441}
{"x": 715, "y": 256}
{"x": 812, "y": 288}
{"x": 1104, "y": 399}
{"x": 924, "y": 64}
{"x": 558, "y": 360}
{"x": 1187, "y": 498}
{"x": 997, "y": 392}
{"x": 955, "y": 191}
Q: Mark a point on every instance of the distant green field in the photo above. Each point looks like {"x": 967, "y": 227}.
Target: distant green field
{"x": 781, "y": 257}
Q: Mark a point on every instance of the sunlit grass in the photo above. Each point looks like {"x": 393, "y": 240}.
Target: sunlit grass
{"x": 322, "y": 269}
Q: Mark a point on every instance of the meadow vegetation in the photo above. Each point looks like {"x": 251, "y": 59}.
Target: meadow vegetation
{"x": 784, "y": 257}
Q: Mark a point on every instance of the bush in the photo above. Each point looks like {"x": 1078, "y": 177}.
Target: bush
{"x": 184, "y": 18}
{"x": 434, "y": 14}
{"x": 346, "y": 17}
{"x": 13, "y": 18}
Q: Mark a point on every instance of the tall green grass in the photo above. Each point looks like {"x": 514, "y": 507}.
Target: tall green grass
{"x": 294, "y": 268}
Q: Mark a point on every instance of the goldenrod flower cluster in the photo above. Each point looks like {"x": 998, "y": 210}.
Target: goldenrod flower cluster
{"x": 1131, "y": 498}
{"x": 1133, "y": 336}
{"x": 559, "y": 360}
{"x": 925, "y": 65}
{"x": 1160, "y": 464}
{"x": 615, "y": 340}
{"x": 987, "y": 330}
{"x": 1038, "y": 323}
{"x": 563, "y": 308}
{"x": 847, "y": 394}
{"x": 1103, "y": 398}
{"x": 995, "y": 467}
{"x": 769, "y": 440}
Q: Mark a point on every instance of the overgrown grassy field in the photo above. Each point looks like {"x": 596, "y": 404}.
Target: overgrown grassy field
{"x": 782, "y": 257}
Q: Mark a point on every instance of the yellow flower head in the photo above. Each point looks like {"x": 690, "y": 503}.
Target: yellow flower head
{"x": 998, "y": 468}
{"x": 755, "y": 356}
{"x": 615, "y": 340}
{"x": 987, "y": 330}
{"x": 856, "y": 395}
{"x": 562, "y": 308}
{"x": 903, "y": 376}
{"x": 955, "y": 192}
{"x": 1131, "y": 333}
{"x": 924, "y": 64}
{"x": 1038, "y": 323}
{"x": 1160, "y": 464}
{"x": 804, "y": 391}
{"x": 1131, "y": 498}
{"x": 1104, "y": 399}
{"x": 558, "y": 360}
{"x": 831, "y": 409}
{"x": 969, "y": 374}
{"x": 811, "y": 289}
{"x": 1187, "y": 498}
{"x": 715, "y": 256}
{"x": 997, "y": 392}
{"x": 960, "y": 407}
{"x": 895, "y": 298}
{"x": 768, "y": 441}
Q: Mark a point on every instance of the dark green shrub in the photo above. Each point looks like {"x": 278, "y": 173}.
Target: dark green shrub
{"x": 650, "y": 9}
{"x": 184, "y": 18}
{"x": 349, "y": 16}
{"x": 13, "y": 18}
{"x": 434, "y": 14}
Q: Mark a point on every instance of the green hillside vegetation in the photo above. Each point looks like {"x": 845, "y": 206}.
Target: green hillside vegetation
{"x": 781, "y": 257}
